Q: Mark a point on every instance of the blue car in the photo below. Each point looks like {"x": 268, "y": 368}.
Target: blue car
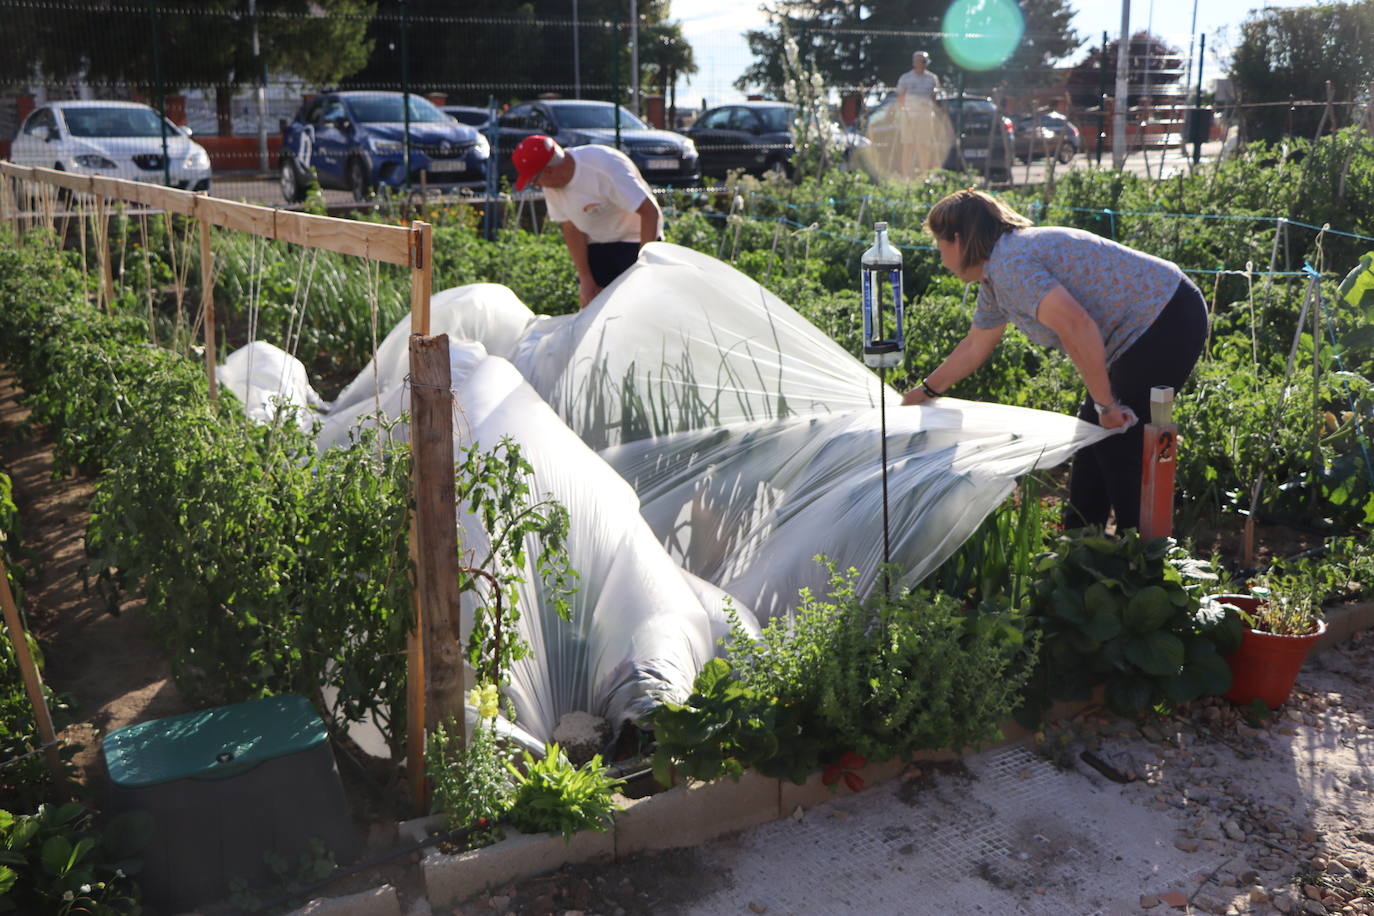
{"x": 355, "y": 141}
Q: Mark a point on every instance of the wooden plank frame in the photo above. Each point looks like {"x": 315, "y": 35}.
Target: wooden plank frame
{"x": 389, "y": 244}
{"x": 412, "y": 247}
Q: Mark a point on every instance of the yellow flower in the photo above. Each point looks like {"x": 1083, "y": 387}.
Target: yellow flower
{"x": 486, "y": 698}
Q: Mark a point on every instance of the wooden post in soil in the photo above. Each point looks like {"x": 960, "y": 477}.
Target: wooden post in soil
{"x": 436, "y": 527}
{"x": 434, "y": 690}
{"x": 102, "y": 250}
{"x": 207, "y": 303}
{"x": 32, "y": 682}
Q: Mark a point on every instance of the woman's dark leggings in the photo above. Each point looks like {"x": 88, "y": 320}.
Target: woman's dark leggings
{"x": 1106, "y": 476}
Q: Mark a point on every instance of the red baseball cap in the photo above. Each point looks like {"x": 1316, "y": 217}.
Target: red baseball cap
{"x": 529, "y": 158}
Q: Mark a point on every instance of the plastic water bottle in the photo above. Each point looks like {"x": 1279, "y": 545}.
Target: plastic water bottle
{"x": 882, "y": 266}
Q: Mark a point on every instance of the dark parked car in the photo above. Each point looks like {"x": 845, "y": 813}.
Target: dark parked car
{"x": 663, "y": 157}
{"x": 753, "y": 136}
{"x": 1047, "y": 133}
{"x": 985, "y": 139}
{"x": 470, "y": 115}
{"x": 355, "y": 140}
{"x": 757, "y": 137}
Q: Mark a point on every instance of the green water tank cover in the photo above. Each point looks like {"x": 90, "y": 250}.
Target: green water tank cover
{"x": 212, "y": 744}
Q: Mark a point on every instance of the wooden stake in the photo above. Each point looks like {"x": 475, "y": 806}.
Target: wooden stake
{"x": 207, "y": 305}
{"x": 436, "y": 525}
{"x": 102, "y": 242}
{"x": 421, "y": 247}
{"x": 32, "y": 681}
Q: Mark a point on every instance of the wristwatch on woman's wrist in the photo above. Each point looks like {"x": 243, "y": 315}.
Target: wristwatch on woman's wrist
{"x": 1107, "y": 408}
{"x": 930, "y": 392}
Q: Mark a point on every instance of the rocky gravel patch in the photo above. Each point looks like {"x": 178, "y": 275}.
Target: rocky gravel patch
{"x": 1283, "y": 803}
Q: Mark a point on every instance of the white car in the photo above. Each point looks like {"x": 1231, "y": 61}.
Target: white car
{"x": 113, "y": 139}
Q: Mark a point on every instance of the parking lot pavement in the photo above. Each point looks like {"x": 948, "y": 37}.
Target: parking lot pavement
{"x": 262, "y": 188}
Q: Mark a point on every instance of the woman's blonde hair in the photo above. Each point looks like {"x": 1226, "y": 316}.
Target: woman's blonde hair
{"x": 978, "y": 219}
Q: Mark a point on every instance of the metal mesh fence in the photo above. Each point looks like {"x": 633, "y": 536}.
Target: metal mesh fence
{"x": 230, "y": 77}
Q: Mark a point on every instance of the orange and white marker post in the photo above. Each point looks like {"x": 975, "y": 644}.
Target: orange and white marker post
{"x": 1157, "y": 469}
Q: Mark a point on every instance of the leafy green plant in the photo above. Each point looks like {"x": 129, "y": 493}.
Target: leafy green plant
{"x": 554, "y": 796}
{"x": 846, "y": 679}
{"x": 494, "y": 487}
{"x": 888, "y": 675}
{"x": 267, "y": 567}
{"x": 24, "y": 775}
{"x": 1126, "y": 612}
{"x": 726, "y": 727}
{"x": 471, "y": 785}
{"x": 56, "y": 861}
{"x": 1001, "y": 556}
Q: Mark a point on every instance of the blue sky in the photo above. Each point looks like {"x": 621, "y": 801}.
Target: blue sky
{"x": 716, "y": 29}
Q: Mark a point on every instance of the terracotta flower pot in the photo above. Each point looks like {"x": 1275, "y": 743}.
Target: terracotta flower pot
{"x": 1265, "y": 666}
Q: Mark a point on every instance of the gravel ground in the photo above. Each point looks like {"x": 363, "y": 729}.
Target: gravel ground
{"x": 1217, "y": 814}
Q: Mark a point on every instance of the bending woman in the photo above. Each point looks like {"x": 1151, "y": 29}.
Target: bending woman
{"x": 1128, "y": 320}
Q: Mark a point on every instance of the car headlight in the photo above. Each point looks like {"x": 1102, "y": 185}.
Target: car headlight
{"x": 196, "y": 158}
{"x": 483, "y": 147}
{"x": 387, "y": 146}
{"x": 92, "y": 161}
{"x": 689, "y": 147}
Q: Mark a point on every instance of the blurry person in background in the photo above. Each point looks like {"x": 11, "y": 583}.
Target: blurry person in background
{"x": 916, "y": 112}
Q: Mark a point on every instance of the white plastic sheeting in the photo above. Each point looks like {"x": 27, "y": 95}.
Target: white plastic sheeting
{"x": 736, "y": 442}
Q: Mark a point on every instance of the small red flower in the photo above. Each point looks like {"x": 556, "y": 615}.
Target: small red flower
{"x": 852, "y": 761}
{"x": 849, "y": 761}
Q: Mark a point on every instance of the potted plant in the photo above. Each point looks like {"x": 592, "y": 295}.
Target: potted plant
{"x": 1283, "y": 618}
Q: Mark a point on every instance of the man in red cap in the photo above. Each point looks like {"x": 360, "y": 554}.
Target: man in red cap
{"x": 606, "y": 208}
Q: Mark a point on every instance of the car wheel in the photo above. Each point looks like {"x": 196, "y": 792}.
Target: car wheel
{"x": 357, "y": 179}
{"x": 292, "y": 187}
{"x": 1066, "y": 152}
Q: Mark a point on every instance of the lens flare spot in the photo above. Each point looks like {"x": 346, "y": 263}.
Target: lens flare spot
{"x": 982, "y": 34}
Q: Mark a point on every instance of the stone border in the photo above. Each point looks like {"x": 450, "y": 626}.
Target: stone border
{"x": 685, "y": 815}
{"x": 695, "y": 813}
{"x": 1344, "y": 622}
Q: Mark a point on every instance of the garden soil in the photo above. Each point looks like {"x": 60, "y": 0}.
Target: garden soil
{"x": 1217, "y": 815}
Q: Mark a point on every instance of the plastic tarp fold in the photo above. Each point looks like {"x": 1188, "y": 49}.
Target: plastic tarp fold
{"x": 708, "y": 443}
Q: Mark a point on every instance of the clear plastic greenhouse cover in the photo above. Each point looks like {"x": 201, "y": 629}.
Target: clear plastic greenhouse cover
{"x": 708, "y": 442}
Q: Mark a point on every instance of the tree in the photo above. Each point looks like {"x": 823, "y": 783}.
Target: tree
{"x": 511, "y": 49}
{"x": 857, "y": 46}
{"x": 1290, "y": 54}
{"x": 161, "y": 48}
{"x": 665, "y": 55}
{"x": 1147, "y": 53}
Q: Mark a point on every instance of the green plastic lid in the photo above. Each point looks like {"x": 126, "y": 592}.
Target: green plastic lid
{"x": 211, "y": 744}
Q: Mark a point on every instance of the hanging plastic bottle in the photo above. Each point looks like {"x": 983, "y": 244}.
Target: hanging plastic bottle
{"x": 882, "y": 266}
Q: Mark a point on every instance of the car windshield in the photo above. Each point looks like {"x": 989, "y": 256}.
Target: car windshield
{"x": 594, "y": 116}
{"x": 114, "y": 122}
{"x": 775, "y": 120}
{"x": 386, "y": 109}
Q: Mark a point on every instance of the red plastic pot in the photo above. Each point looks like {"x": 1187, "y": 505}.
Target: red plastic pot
{"x": 1266, "y": 666}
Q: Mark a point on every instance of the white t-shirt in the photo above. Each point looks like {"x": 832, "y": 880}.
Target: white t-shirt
{"x": 920, "y": 88}
{"x": 601, "y": 199}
